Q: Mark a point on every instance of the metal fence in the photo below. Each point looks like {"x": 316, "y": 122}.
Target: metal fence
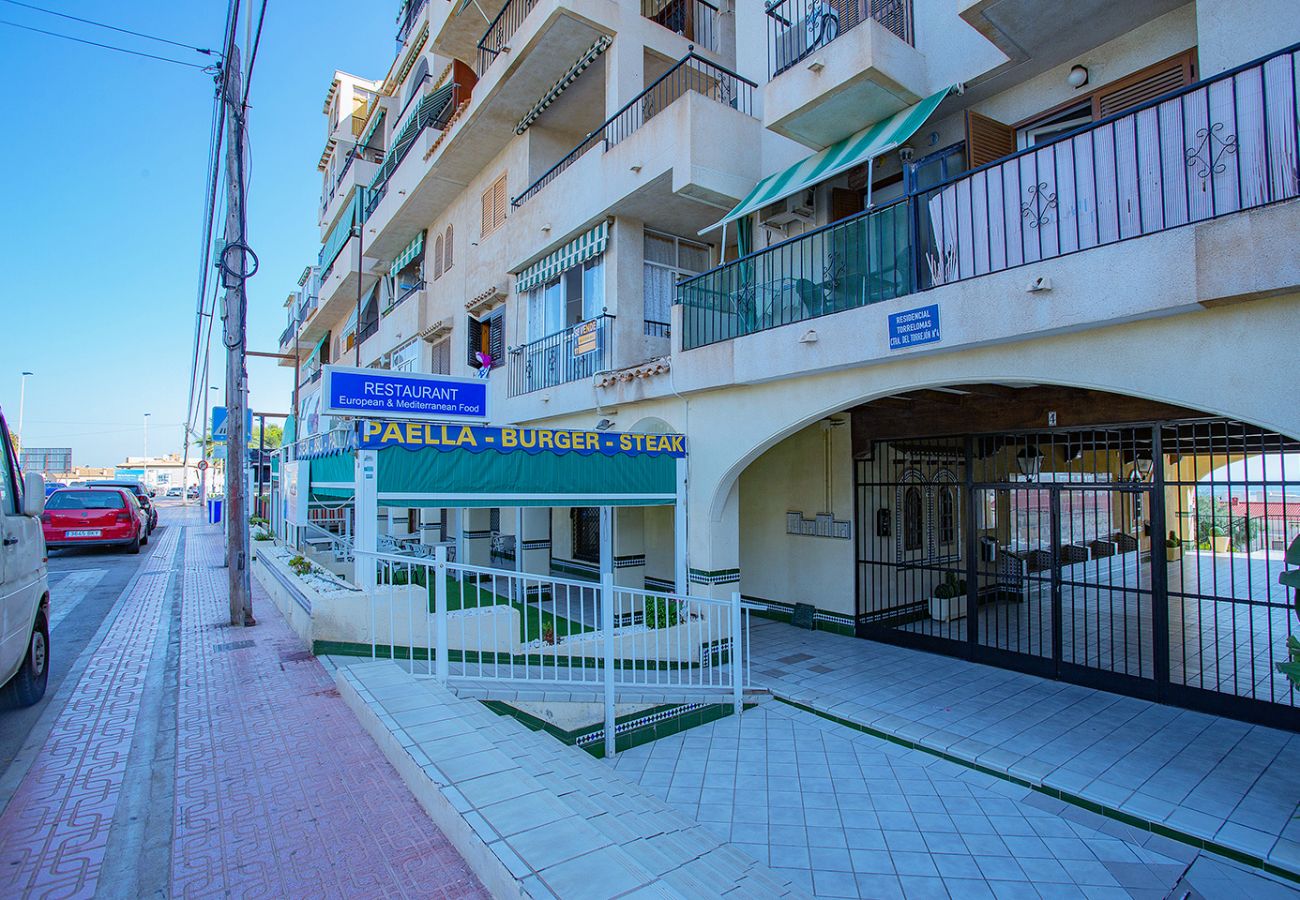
{"x": 579, "y": 351}
{"x": 695, "y": 20}
{"x": 500, "y": 30}
{"x": 861, "y": 260}
{"x": 690, "y": 73}
{"x": 456, "y": 621}
{"x": 1223, "y": 145}
{"x": 798, "y": 28}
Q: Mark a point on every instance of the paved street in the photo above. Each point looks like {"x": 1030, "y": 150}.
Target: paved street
{"x": 176, "y": 757}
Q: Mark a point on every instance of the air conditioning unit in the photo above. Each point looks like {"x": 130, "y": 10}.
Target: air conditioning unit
{"x": 797, "y": 207}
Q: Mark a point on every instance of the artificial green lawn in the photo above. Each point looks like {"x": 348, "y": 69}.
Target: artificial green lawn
{"x": 531, "y": 624}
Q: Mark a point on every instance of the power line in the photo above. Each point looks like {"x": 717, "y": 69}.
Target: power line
{"x": 140, "y": 34}
{"x": 252, "y": 57}
{"x": 68, "y": 37}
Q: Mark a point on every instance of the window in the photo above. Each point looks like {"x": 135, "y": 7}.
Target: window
{"x": 437, "y": 258}
{"x": 912, "y": 519}
{"x": 1053, "y": 126}
{"x": 370, "y": 315}
{"x": 406, "y": 358}
{"x": 494, "y": 204}
{"x": 487, "y": 337}
{"x": 409, "y": 280}
{"x": 8, "y": 489}
{"x": 573, "y": 296}
{"x": 947, "y": 515}
{"x": 446, "y": 260}
{"x": 441, "y": 364}
{"x": 668, "y": 260}
{"x": 586, "y": 533}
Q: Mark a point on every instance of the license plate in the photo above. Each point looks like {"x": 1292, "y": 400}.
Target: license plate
{"x": 85, "y": 532}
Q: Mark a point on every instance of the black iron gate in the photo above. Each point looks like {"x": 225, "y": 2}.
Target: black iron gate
{"x": 1090, "y": 555}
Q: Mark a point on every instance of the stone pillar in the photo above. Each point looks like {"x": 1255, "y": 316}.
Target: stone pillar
{"x": 629, "y": 546}
{"x": 533, "y": 542}
{"x": 477, "y": 536}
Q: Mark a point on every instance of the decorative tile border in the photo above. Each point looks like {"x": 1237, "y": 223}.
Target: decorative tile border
{"x": 629, "y": 562}
{"x": 718, "y": 576}
{"x": 834, "y": 622}
{"x": 476, "y": 535}
{"x": 544, "y": 544}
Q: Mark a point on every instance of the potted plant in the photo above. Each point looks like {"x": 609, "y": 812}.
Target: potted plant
{"x": 1219, "y": 539}
{"x": 949, "y": 600}
{"x": 1173, "y": 548}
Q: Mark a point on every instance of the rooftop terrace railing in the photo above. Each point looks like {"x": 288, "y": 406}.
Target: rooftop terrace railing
{"x": 690, "y": 73}
{"x": 1223, "y": 145}
{"x": 798, "y": 28}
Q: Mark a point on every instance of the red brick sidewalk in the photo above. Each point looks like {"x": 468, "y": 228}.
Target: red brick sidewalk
{"x": 278, "y": 791}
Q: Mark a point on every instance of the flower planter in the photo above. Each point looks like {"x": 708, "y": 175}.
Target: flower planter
{"x": 945, "y": 609}
{"x": 1221, "y": 543}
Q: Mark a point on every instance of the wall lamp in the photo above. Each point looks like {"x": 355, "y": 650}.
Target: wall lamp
{"x": 1078, "y": 76}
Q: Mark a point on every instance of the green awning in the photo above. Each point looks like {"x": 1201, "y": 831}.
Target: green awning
{"x": 593, "y": 52}
{"x": 463, "y": 479}
{"x": 370, "y": 129}
{"x": 577, "y": 251}
{"x": 413, "y": 249}
{"x": 342, "y": 231}
{"x": 875, "y": 140}
{"x": 332, "y": 477}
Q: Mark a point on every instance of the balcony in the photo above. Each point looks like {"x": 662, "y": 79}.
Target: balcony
{"x": 839, "y": 65}
{"x": 578, "y": 352}
{"x": 695, "y": 20}
{"x": 1216, "y": 148}
{"x": 356, "y": 172}
{"x": 408, "y": 18}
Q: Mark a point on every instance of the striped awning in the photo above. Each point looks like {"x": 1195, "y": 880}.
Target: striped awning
{"x": 404, "y": 258}
{"x": 576, "y": 252}
{"x": 875, "y": 140}
{"x": 366, "y": 135}
{"x": 593, "y": 52}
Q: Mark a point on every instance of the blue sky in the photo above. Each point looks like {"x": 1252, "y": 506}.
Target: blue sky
{"x": 100, "y": 234}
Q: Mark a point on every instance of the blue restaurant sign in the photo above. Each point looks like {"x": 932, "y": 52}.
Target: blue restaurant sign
{"x": 402, "y": 395}
{"x": 913, "y": 327}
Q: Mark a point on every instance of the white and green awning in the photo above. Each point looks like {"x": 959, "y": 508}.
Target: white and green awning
{"x": 370, "y": 129}
{"x": 875, "y": 140}
{"x": 576, "y": 252}
{"x": 593, "y": 53}
{"x": 413, "y": 249}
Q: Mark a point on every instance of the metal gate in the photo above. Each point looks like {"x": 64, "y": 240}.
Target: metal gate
{"x": 1090, "y": 555}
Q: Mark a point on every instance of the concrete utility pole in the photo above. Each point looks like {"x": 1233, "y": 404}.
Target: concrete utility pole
{"x": 234, "y": 266}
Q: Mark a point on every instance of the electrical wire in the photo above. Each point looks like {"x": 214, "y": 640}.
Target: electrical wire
{"x": 140, "y": 34}
{"x": 252, "y": 56}
{"x": 68, "y": 37}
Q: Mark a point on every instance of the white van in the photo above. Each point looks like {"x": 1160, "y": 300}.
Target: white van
{"x": 24, "y": 588}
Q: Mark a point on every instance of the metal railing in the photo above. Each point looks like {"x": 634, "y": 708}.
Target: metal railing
{"x": 798, "y": 28}
{"x": 579, "y": 351}
{"x": 500, "y": 30}
{"x": 657, "y": 329}
{"x": 287, "y": 335}
{"x": 464, "y": 622}
{"x": 690, "y": 73}
{"x": 406, "y": 19}
{"x": 1220, "y": 146}
{"x": 405, "y": 293}
{"x": 434, "y": 111}
{"x": 337, "y": 543}
{"x": 695, "y": 20}
{"x": 369, "y": 330}
{"x": 855, "y": 262}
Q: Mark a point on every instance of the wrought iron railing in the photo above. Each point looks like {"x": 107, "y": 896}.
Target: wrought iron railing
{"x": 434, "y": 111}
{"x": 1220, "y": 146}
{"x": 695, "y": 20}
{"x": 798, "y": 28}
{"x": 690, "y": 73}
{"x": 500, "y": 31}
{"x": 406, "y": 19}
{"x": 657, "y": 329}
{"x": 579, "y": 351}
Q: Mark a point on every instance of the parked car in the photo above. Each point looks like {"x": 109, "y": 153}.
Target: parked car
{"x": 95, "y": 517}
{"x": 194, "y": 492}
{"x": 24, "y": 588}
{"x": 173, "y": 492}
{"x": 141, "y": 495}
{"x": 52, "y": 486}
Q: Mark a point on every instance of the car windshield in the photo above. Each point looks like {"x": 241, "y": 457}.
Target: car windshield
{"x": 85, "y": 500}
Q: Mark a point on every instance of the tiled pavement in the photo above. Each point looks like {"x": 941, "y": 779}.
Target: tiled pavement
{"x": 1212, "y": 778}
{"x": 847, "y": 814}
{"x": 277, "y": 790}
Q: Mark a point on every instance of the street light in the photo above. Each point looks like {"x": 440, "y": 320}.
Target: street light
{"x": 22, "y": 400}
{"x": 145, "y": 477}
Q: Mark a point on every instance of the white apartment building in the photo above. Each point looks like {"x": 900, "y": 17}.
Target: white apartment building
{"x": 974, "y": 313}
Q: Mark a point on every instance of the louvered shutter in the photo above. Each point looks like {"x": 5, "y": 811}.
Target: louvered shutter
{"x": 485, "y": 216}
{"x": 473, "y": 341}
{"x": 987, "y": 139}
{"x": 499, "y": 201}
{"x": 497, "y": 339}
{"x": 1147, "y": 84}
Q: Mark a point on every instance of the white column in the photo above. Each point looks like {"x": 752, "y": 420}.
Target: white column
{"x": 607, "y": 619}
{"x": 366, "y": 538}
{"x": 629, "y": 547}
{"x": 476, "y": 536}
{"x": 680, "y": 568}
{"x": 533, "y": 547}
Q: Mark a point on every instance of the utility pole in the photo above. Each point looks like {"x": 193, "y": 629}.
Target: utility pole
{"x": 234, "y": 266}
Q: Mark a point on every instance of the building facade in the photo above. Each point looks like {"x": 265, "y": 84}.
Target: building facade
{"x": 976, "y": 320}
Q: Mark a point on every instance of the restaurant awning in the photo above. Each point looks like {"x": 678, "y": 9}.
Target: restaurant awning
{"x": 874, "y": 140}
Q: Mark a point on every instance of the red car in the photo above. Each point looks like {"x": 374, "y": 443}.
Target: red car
{"x": 82, "y": 517}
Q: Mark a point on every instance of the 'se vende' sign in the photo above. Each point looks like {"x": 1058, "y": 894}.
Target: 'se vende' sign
{"x": 402, "y": 395}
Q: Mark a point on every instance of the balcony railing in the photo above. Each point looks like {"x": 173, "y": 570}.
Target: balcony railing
{"x": 500, "y": 31}
{"x": 1217, "y": 147}
{"x": 406, "y": 19}
{"x": 798, "y": 28}
{"x": 286, "y": 336}
{"x": 690, "y": 73}
{"x": 580, "y": 351}
{"x": 434, "y": 111}
{"x": 695, "y": 20}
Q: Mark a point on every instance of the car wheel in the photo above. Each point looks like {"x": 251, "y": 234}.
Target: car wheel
{"x": 28, "y": 685}
{"x": 144, "y": 539}
{"x": 134, "y": 546}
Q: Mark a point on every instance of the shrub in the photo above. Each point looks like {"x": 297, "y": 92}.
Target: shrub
{"x": 660, "y": 612}
{"x": 256, "y": 520}
{"x": 263, "y": 535}
{"x": 950, "y": 587}
{"x": 300, "y": 564}
{"x": 548, "y": 634}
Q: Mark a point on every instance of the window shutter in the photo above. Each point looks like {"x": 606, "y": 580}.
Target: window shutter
{"x": 1147, "y": 84}
{"x": 845, "y": 203}
{"x": 987, "y": 139}
{"x": 485, "y": 216}
{"x": 497, "y": 339}
{"x": 446, "y": 260}
{"x": 499, "y": 202}
{"x": 437, "y": 258}
{"x": 474, "y": 341}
